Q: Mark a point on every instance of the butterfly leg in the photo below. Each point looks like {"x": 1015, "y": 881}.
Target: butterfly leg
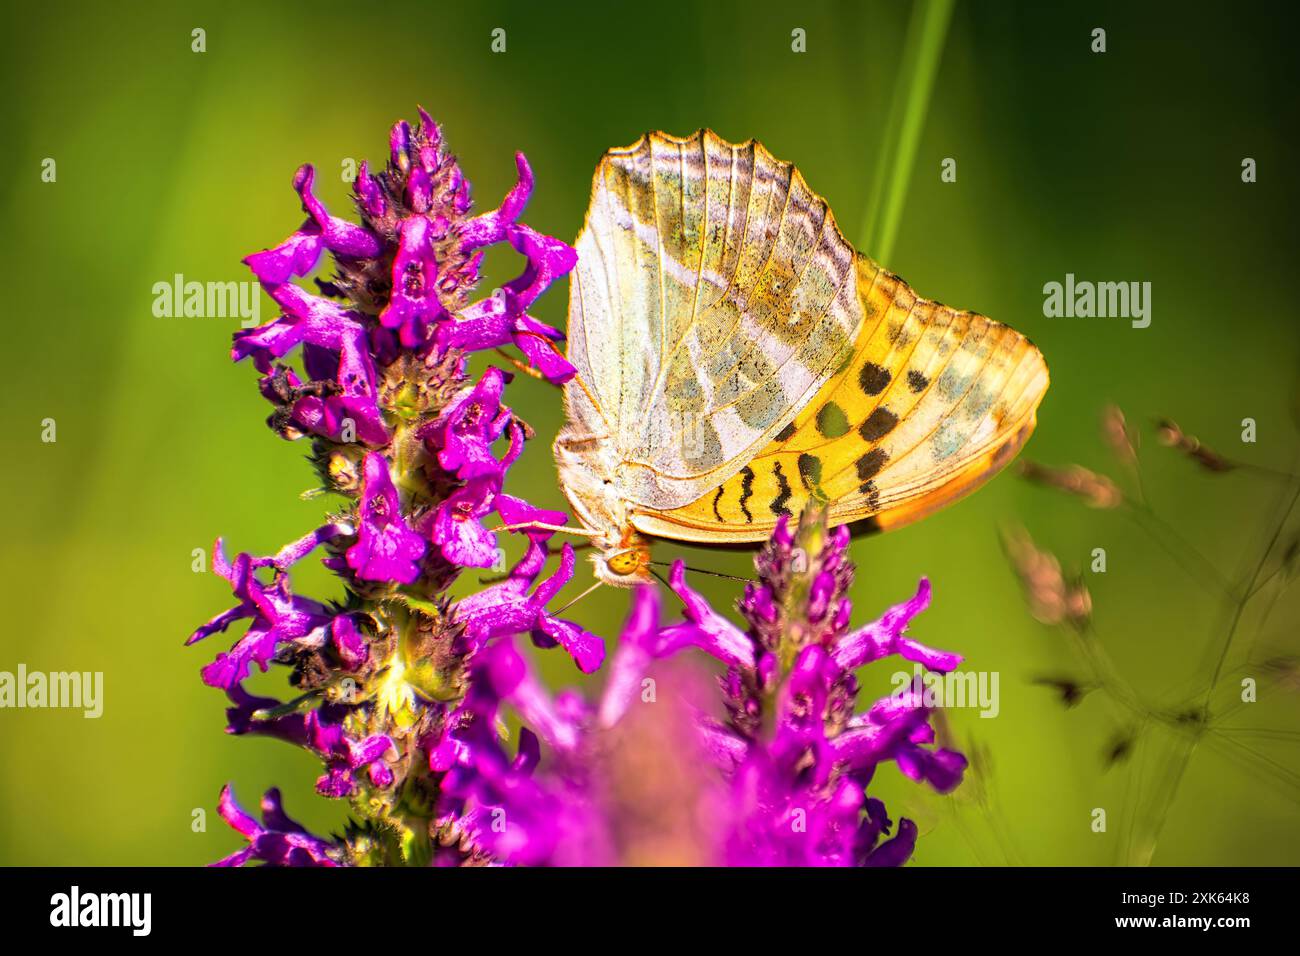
{"x": 525, "y": 368}
{"x": 543, "y": 526}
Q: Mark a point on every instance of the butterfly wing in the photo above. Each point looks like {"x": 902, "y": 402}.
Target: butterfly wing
{"x": 713, "y": 298}
{"x": 932, "y": 405}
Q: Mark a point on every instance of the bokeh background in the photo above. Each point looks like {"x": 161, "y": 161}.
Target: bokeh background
{"x": 1122, "y": 166}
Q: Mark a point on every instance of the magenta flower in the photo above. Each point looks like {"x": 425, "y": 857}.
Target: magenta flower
{"x": 704, "y": 628}
{"x": 491, "y": 799}
{"x": 320, "y": 731}
{"x": 502, "y": 319}
{"x": 386, "y": 549}
{"x": 805, "y": 782}
{"x": 458, "y": 528}
{"x": 277, "y": 840}
{"x": 464, "y": 433}
{"x": 335, "y": 353}
{"x": 508, "y": 608}
{"x": 278, "y": 616}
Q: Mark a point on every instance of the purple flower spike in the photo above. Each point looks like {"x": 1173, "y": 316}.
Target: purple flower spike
{"x": 379, "y": 391}
{"x": 386, "y": 549}
{"x": 277, "y": 840}
{"x": 795, "y": 752}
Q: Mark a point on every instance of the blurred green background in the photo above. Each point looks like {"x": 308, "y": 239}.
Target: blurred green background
{"x": 1122, "y": 166}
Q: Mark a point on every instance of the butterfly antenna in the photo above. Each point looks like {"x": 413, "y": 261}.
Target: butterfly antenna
{"x": 663, "y": 580}
{"x": 578, "y": 598}
{"x": 716, "y": 574}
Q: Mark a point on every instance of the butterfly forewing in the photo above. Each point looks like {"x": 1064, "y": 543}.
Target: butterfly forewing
{"x": 713, "y": 298}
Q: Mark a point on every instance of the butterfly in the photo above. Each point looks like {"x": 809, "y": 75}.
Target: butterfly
{"x": 737, "y": 360}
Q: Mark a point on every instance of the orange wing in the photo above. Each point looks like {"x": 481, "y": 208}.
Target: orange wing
{"x": 933, "y": 403}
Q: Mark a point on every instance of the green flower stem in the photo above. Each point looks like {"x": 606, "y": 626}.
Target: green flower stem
{"x": 922, "y": 49}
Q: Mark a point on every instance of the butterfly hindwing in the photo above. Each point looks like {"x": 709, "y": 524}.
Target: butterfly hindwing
{"x": 933, "y": 403}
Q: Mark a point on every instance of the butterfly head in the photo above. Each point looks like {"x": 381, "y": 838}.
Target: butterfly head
{"x": 626, "y": 565}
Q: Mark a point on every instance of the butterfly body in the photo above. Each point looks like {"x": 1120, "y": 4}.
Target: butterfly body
{"x": 736, "y": 359}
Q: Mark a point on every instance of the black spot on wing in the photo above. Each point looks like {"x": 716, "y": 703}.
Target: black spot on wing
{"x": 785, "y": 434}
{"x": 878, "y": 424}
{"x": 869, "y": 465}
{"x": 871, "y": 494}
{"x": 916, "y": 381}
{"x": 873, "y": 379}
{"x": 716, "y": 499}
